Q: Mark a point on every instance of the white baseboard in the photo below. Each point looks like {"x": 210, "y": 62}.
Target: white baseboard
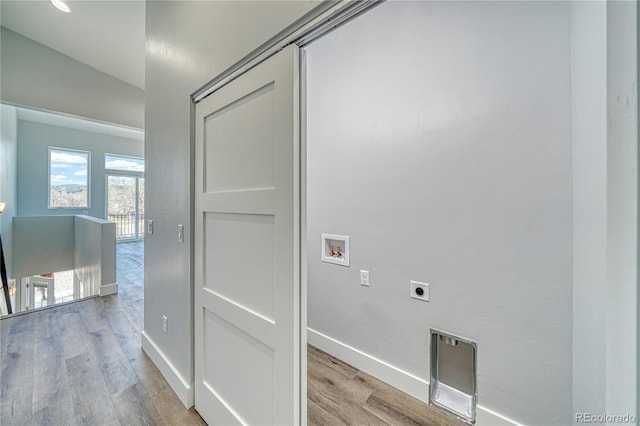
{"x": 402, "y": 380}
{"x": 108, "y": 289}
{"x": 180, "y": 386}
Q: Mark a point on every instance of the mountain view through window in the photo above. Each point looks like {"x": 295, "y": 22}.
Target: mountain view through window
{"x": 68, "y": 178}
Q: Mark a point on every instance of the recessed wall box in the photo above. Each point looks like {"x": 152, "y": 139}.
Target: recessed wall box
{"x": 335, "y": 249}
{"x": 453, "y": 384}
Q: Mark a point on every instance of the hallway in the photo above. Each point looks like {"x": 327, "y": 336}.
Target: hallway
{"x": 82, "y": 363}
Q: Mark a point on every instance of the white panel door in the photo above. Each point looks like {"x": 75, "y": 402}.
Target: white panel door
{"x": 247, "y": 248}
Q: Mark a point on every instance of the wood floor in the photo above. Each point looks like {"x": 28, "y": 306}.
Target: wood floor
{"x": 82, "y": 364}
{"x": 339, "y": 394}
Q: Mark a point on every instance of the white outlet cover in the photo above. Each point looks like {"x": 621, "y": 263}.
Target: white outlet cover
{"x": 424, "y": 286}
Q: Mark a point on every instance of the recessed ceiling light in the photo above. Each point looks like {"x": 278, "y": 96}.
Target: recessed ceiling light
{"x": 61, "y": 5}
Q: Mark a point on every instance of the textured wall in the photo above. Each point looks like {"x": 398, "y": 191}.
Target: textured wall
{"x": 439, "y": 140}
{"x": 188, "y": 44}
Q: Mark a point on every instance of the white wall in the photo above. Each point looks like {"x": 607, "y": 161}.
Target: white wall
{"x": 622, "y": 207}
{"x": 439, "y": 140}
{"x": 188, "y": 44}
{"x": 589, "y": 83}
{"x": 37, "y": 76}
{"x": 8, "y": 178}
{"x": 95, "y": 254}
{"x": 33, "y": 164}
{"x": 42, "y": 245}
{"x": 85, "y": 244}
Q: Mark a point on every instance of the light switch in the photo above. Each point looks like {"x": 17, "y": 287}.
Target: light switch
{"x": 150, "y": 227}
{"x": 364, "y": 278}
{"x": 181, "y": 233}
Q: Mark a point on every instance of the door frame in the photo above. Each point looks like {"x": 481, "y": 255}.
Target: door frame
{"x": 241, "y": 224}
{"x": 324, "y": 18}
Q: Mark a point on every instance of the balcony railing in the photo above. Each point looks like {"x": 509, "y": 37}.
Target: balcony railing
{"x": 126, "y": 225}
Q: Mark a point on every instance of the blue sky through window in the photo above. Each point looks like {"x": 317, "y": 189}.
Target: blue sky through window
{"x": 69, "y": 167}
{"x": 129, "y": 164}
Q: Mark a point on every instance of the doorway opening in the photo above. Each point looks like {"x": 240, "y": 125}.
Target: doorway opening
{"x": 125, "y": 205}
{"x": 449, "y": 168}
{"x": 421, "y": 149}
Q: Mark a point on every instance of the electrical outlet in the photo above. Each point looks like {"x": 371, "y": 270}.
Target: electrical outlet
{"x": 364, "y": 278}
{"x": 165, "y": 324}
{"x": 419, "y": 291}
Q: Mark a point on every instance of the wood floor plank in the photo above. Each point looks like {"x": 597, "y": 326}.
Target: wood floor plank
{"x": 134, "y": 407}
{"x": 336, "y": 384}
{"x": 91, "y": 400}
{"x": 114, "y": 366}
{"x": 347, "y": 411}
{"x": 317, "y": 415}
{"x": 334, "y": 363}
{"x": 16, "y": 374}
{"x": 396, "y": 407}
{"x": 51, "y": 390}
{"x": 90, "y": 313}
{"x": 43, "y": 417}
{"x": 71, "y": 331}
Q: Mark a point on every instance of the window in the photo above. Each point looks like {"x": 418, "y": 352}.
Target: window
{"x": 125, "y": 164}
{"x": 68, "y": 179}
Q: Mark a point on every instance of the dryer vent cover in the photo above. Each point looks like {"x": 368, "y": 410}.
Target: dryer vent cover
{"x": 453, "y": 384}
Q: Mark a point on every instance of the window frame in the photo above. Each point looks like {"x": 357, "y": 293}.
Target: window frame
{"x": 88, "y": 153}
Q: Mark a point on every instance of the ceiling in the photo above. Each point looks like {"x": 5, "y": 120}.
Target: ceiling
{"x": 106, "y": 35}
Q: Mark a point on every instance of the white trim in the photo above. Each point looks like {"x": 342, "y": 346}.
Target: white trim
{"x": 396, "y": 377}
{"x": 107, "y": 289}
{"x": 60, "y": 119}
{"x": 180, "y": 386}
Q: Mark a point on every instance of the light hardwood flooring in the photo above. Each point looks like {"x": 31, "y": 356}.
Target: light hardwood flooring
{"x": 82, "y": 364}
{"x": 339, "y": 394}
